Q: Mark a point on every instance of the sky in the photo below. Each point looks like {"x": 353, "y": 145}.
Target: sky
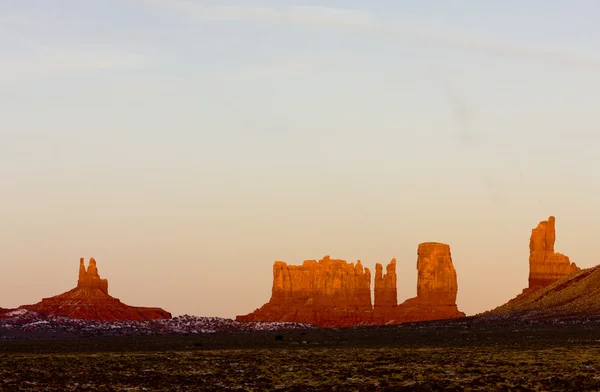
{"x": 187, "y": 145}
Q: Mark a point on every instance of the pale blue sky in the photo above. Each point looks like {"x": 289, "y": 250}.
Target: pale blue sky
{"x": 187, "y": 145}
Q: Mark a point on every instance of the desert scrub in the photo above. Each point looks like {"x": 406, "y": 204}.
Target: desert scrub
{"x": 308, "y": 369}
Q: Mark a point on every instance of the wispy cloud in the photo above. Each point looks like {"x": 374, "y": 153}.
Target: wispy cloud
{"x": 24, "y": 56}
{"x": 300, "y": 14}
{"x": 15, "y": 19}
{"x": 52, "y": 61}
{"x": 289, "y": 66}
{"x": 35, "y": 19}
{"x": 368, "y": 22}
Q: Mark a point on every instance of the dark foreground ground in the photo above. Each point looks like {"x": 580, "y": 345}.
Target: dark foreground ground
{"x": 465, "y": 355}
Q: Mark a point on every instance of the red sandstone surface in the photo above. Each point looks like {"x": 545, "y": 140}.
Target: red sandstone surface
{"x": 385, "y": 292}
{"x": 325, "y": 292}
{"x": 436, "y": 283}
{"x": 334, "y": 293}
{"x": 437, "y": 288}
{"x": 546, "y": 266}
{"x": 327, "y": 282}
{"x": 90, "y": 301}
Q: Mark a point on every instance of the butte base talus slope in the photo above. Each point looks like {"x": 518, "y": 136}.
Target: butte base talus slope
{"x": 90, "y": 300}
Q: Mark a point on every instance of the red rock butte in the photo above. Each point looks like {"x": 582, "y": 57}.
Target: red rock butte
{"x": 437, "y": 277}
{"x": 324, "y": 292}
{"x": 437, "y": 288}
{"x": 335, "y": 293}
{"x": 90, "y": 300}
{"x": 546, "y": 266}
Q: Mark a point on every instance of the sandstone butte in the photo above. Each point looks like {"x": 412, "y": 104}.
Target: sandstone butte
{"x": 335, "y": 293}
{"x": 557, "y": 288}
{"x": 546, "y": 266}
{"x": 90, "y": 300}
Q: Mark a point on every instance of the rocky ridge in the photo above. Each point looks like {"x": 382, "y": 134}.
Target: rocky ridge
{"x": 334, "y": 293}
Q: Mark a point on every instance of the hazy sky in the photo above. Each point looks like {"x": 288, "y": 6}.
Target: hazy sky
{"x": 187, "y": 145}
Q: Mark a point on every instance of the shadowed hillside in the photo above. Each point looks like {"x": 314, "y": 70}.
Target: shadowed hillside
{"x": 576, "y": 295}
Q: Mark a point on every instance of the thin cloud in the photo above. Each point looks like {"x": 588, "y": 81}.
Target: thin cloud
{"x": 38, "y": 19}
{"x": 51, "y": 61}
{"x": 330, "y": 17}
{"x": 25, "y": 58}
{"x": 13, "y": 19}
{"x": 217, "y": 13}
{"x": 365, "y": 21}
{"x": 290, "y": 66}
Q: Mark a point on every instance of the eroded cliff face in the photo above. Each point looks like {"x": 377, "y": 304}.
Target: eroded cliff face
{"x": 436, "y": 282}
{"x": 90, "y": 278}
{"x": 328, "y": 292}
{"x": 328, "y": 282}
{"x": 437, "y": 287}
{"x": 90, "y": 300}
{"x": 334, "y": 293}
{"x": 385, "y": 292}
{"x": 546, "y": 266}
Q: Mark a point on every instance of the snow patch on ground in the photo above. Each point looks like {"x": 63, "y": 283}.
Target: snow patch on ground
{"x": 24, "y": 320}
{"x": 16, "y": 313}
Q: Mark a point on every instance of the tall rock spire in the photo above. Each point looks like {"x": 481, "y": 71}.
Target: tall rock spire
{"x": 436, "y": 282}
{"x": 546, "y": 266}
{"x": 91, "y": 278}
{"x": 385, "y": 291}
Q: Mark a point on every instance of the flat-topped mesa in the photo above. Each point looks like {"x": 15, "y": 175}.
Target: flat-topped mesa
{"x": 385, "y": 291}
{"x": 328, "y": 282}
{"x": 328, "y": 292}
{"x": 91, "y": 278}
{"x": 436, "y": 282}
{"x": 546, "y": 266}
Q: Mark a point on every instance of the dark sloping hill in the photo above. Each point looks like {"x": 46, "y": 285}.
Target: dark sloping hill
{"x": 574, "y": 296}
